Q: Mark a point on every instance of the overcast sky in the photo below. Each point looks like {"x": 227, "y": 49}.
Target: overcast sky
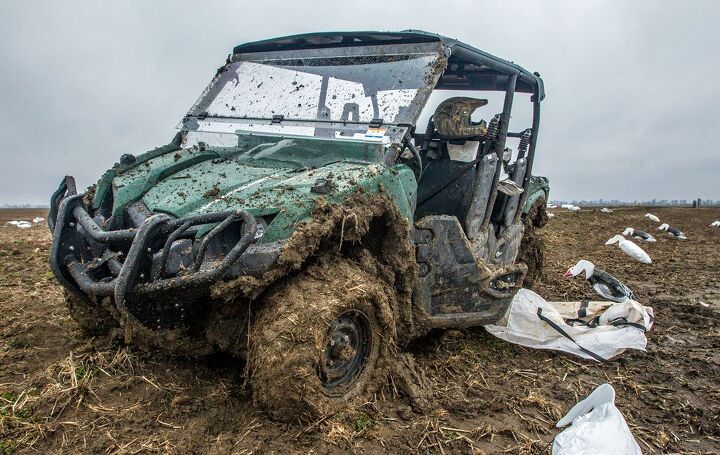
{"x": 633, "y": 90}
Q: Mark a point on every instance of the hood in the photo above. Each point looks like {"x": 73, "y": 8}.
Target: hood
{"x": 219, "y": 186}
{"x": 274, "y": 177}
{"x": 191, "y": 180}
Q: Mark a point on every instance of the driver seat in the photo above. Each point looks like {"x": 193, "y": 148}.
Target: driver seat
{"x": 451, "y": 132}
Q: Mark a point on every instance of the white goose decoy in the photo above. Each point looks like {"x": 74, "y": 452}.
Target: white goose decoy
{"x": 652, "y": 217}
{"x": 638, "y": 234}
{"x": 20, "y": 224}
{"x": 677, "y": 233}
{"x": 630, "y": 249}
{"x": 606, "y": 210}
{"x": 715, "y": 223}
{"x": 606, "y": 285}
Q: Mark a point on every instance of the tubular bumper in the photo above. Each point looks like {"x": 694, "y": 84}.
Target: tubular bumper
{"x": 80, "y": 247}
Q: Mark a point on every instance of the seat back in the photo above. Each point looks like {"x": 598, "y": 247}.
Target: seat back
{"x": 452, "y": 200}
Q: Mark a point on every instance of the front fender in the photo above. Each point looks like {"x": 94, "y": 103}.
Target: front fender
{"x": 533, "y": 198}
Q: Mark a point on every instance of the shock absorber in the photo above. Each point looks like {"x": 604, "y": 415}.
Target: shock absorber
{"x": 524, "y": 143}
{"x": 493, "y": 127}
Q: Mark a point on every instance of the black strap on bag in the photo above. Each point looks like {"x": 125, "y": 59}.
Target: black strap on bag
{"x": 594, "y": 322}
{"x": 566, "y": 335}
{"x": 623, "y": 322}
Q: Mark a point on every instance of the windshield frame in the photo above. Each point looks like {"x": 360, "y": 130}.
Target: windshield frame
{"x": 395, "y": 131}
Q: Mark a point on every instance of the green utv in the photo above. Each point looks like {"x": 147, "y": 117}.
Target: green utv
{"x": 329, "y": 198}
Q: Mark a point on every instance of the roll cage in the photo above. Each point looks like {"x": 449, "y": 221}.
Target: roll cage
{"x": 461, "y": 67}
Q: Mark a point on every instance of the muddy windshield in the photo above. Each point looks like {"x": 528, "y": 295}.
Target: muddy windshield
{"x": 347, "y": 97}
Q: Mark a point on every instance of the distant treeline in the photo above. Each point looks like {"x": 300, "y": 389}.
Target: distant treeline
{"x": 653, "y": 203}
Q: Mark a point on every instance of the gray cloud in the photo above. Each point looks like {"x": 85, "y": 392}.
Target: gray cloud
{"x": 632, "y": 86}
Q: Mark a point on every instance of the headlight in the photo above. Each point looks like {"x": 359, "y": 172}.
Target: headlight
{"x": 262, "y": 224}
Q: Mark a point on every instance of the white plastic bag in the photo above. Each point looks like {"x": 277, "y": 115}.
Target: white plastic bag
{"x": 598, "y": 427}
{"x": 523, "y": 325}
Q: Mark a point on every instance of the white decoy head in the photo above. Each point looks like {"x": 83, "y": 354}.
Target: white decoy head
{"x": 652, "y": 217}
{"x": 663, "y": 227}
{"x": 615, "y": 239}
{"x": 581, "y": 266}
{"x": 715, "y": 223}
{"x": 628, "y": 231}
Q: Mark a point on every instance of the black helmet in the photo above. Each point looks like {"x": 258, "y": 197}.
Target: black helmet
{"x": 452, "y": 118}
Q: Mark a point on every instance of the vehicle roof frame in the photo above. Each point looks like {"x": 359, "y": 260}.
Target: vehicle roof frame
{"x": 328, "y": 43}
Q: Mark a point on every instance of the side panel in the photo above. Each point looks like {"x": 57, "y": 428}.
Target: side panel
{"x": 452, "y": 285}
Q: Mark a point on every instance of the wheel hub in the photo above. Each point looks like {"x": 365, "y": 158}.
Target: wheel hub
{"x": 346, "y": 348}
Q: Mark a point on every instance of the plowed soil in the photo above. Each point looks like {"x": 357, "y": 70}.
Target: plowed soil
{"x": 63, "y": 393}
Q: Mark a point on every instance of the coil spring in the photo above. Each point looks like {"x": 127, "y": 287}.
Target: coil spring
{"x": 524, "y": 142}
{"x": 493, "y": 127}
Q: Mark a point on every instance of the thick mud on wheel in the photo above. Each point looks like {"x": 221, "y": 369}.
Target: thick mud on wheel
{"x": 321, "y": 341}
{"x": 537, "y": 215}
{"x": 532, "y": 254}
{"x": 93, "y": 320}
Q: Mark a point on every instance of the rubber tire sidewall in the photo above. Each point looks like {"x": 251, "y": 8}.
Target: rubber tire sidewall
{"x": 289, "y": 335}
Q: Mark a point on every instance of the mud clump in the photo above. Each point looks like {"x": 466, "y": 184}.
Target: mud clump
{"x": 212, "y": 192}
{"x": 361, "y": 227}
{"x": 532, "y": 247}
{"x": 89, "y": 195}
{"x": 93, "y": 319}
{"x": 532, "y": 254}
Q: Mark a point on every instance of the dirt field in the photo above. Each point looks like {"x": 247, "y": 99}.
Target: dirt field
{"x": 61, "y": 393}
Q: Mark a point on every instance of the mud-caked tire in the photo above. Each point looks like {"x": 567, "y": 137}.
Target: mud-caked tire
{"x": 92, "y": 319}
{"x": 321, "y": 341}
{"x": 537, "y": 215}
{"x": 532, "y": 247}
{"x": 532, "y": 254}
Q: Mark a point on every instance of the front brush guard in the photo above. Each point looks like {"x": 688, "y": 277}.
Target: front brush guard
{"x": 74, "y": 229}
